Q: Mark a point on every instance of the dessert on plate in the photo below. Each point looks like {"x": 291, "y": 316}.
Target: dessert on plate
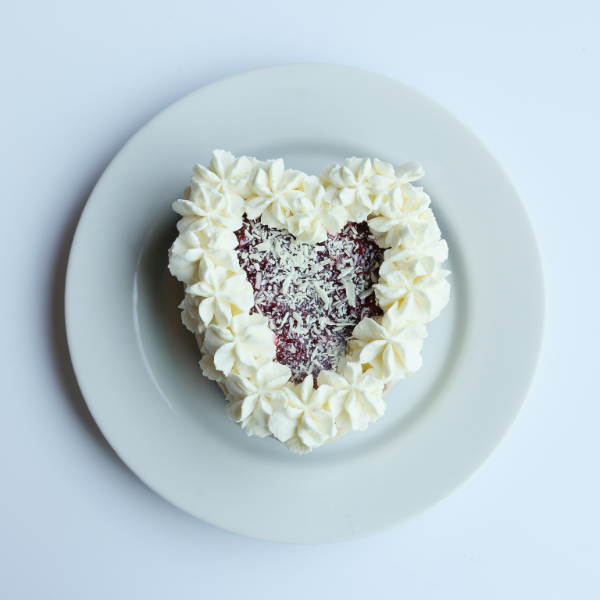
{"x": 309, "y": 296}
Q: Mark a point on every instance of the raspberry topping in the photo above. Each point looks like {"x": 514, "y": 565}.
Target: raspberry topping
{"x": 312, "y": 294}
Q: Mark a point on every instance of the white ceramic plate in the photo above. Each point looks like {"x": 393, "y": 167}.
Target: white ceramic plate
{"x": 138, "y": 366}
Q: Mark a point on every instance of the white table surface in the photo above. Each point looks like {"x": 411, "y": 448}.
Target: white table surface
{"x": 79, "y": 80}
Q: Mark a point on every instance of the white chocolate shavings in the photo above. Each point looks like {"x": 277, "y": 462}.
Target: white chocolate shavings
{"x": 323, "y": 302}
{"x": 307, "y": 274}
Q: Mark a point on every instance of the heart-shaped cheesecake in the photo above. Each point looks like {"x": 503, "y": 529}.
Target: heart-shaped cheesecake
{"x": 308, "y": 296}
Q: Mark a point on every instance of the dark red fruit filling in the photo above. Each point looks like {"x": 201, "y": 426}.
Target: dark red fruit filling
{"x": 312, "y": 294}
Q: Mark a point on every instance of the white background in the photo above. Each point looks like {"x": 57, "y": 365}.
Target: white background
{"x": 78, "y": 80}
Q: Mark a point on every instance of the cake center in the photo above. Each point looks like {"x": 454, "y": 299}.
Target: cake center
{"x": 313, "y": 294}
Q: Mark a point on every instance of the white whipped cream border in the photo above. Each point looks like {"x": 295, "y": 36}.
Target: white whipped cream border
{"x": 239, "y": 348}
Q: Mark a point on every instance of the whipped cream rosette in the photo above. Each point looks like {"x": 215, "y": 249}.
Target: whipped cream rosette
{"x": 309, "y": 296}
